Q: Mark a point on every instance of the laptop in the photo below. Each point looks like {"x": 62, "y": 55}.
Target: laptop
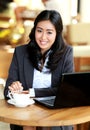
{"x": 74, "y": 91}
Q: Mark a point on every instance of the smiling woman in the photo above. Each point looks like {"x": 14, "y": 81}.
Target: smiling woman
{"x": 38, "y": 65}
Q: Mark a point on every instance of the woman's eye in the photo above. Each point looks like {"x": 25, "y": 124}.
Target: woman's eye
{"x": 49, "y": 32}
{"x": 39, "y": 30}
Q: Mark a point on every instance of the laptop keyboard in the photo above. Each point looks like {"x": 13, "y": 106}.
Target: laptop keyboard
{"x": 50, "y": 101}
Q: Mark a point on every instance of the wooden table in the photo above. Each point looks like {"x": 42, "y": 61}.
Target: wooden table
{"x": 36, "y": 115}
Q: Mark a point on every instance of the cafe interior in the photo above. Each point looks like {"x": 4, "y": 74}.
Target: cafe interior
{"x": 16, "y": 21}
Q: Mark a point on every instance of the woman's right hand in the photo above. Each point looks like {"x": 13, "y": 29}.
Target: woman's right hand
{"x": 16, "y": 87}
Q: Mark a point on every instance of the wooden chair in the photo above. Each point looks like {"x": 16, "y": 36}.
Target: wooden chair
{"x": 5, "y": 60}
{"x": 78, "y": 34}
{"x": 82, "y": 64}
{"x": 85, "y": 126}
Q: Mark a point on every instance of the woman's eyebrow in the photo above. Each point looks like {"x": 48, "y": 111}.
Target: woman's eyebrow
{"x": 46, "y": 29}
{"x": 39, "y": 28}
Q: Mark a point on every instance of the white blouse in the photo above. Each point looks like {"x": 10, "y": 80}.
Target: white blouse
{"x": 42, "y": 79}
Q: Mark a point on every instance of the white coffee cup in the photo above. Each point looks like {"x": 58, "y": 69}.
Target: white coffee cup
{"x": 19, "y": 99}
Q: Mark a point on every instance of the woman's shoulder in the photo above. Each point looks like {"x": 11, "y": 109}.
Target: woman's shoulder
{"x": 69, "y": 47}
{"x": 21, "y": 48}
{"x": 68, "y": 50}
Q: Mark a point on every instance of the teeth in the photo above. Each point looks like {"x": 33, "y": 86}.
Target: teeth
{"x": 43, "y": 42}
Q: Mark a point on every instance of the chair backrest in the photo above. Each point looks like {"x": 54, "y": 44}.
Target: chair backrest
{"x": 82, "y": 63}
{"x": 5, "y": 60}
{"x": 78, "y": 34}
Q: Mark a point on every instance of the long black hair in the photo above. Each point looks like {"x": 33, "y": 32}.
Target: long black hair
{"x": 58, "y": 46}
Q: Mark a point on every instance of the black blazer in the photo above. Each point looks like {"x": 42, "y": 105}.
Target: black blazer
{"x": 21, "y": 69}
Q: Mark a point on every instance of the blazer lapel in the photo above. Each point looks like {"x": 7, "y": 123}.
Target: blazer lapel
{"x": 28, "y": 70}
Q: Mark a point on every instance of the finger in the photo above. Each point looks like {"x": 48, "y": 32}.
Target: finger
{"x": 16, "y": 86}
{"x": 11, "y": 89}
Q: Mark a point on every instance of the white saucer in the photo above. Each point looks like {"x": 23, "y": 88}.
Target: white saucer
{"x": 30, "y": 102}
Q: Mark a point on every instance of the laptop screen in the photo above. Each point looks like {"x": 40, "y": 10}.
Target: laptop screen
{"x": 74, "y": 90}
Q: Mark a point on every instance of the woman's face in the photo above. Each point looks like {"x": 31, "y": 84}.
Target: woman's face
{"x": 45, "y": 35}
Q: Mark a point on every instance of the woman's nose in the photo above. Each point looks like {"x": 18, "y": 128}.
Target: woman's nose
{"x": 43, "y": 35}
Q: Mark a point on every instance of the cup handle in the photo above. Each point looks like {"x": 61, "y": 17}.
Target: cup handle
{"x": 10, "y": 95}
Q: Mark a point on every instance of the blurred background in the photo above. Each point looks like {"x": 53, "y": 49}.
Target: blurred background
{"x": 17, "y": 16}
{"x": 16, "y": 22}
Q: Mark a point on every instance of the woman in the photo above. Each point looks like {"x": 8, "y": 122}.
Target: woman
{"x": 39, "y": 65}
